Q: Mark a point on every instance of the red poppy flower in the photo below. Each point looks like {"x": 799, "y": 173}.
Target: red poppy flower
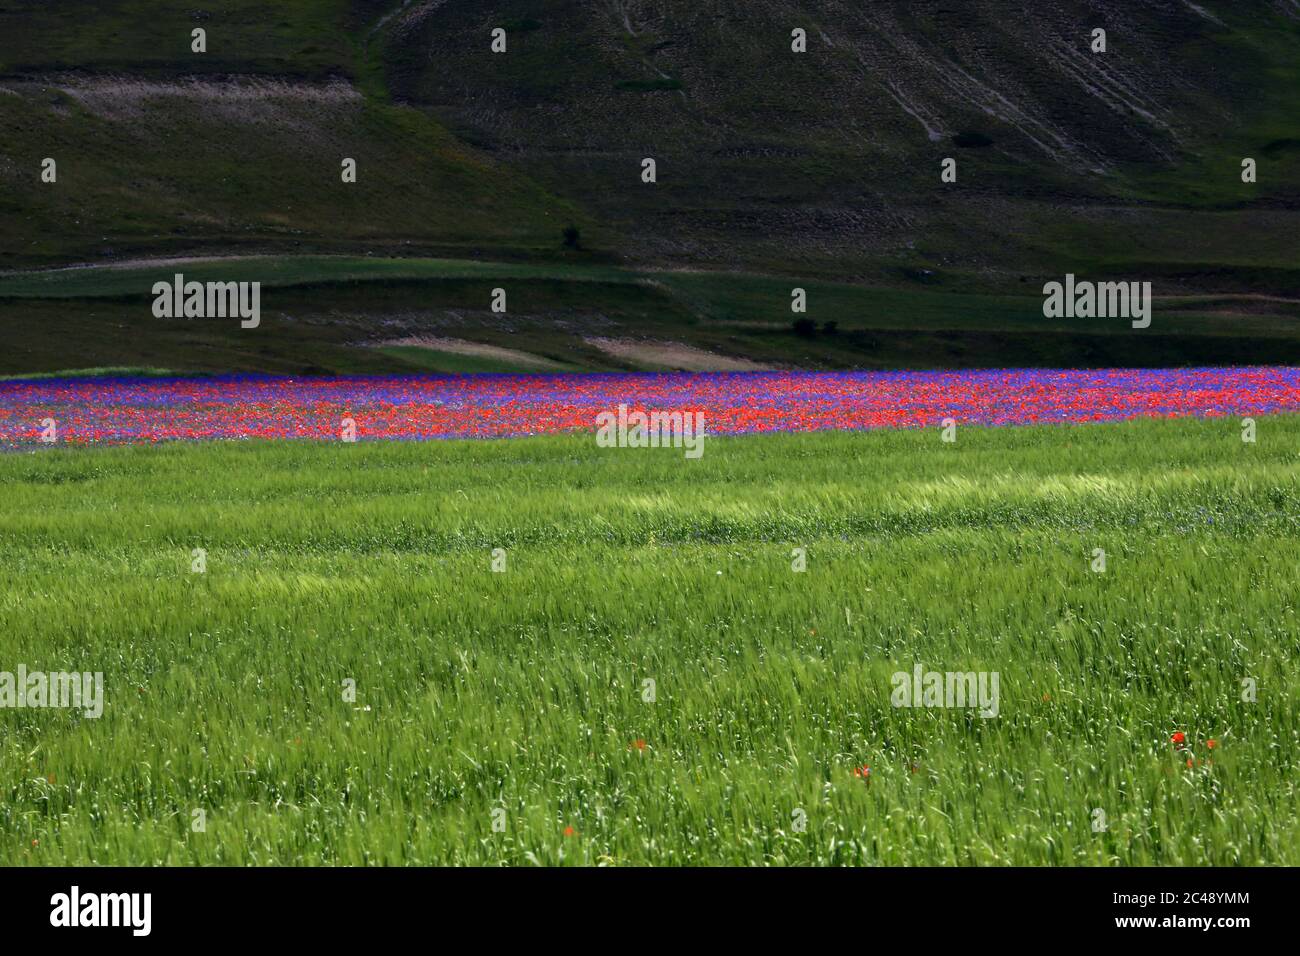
{"x": 568, "y": 831}
{"x": 1211, "y": 743}
{"x": 1178, "y": 739}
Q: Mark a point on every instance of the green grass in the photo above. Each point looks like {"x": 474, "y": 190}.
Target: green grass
{"x": 523, "y": 690}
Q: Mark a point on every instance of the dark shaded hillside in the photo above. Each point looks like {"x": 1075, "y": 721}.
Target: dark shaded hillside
{"x": 775, "y": 169}
{"x": 823, "y": 163}
{"x": 830, "y": 160}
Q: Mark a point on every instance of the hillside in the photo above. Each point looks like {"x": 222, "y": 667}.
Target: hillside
{"x": 775, "y": 169}
{"x": 161, "y": 150}
{"x": 830, "y": 160}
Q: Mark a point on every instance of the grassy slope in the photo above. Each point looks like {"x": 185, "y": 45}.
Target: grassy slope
{"x": 158, "y": 173}
{"x": 160, "y": 149}
{"x": 317, "y": 310}
{"x": 523, "y": 690}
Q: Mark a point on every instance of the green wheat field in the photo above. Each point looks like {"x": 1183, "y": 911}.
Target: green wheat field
{"x": 649, "y": 681}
